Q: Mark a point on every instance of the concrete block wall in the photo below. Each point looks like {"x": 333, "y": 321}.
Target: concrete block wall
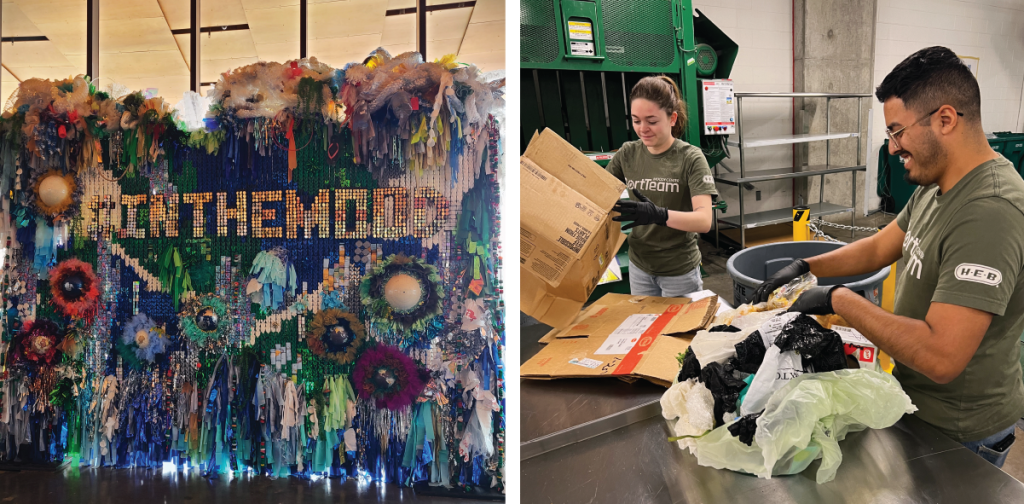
{"x": 763, "y": 29}
{"x": 991, "y": 30}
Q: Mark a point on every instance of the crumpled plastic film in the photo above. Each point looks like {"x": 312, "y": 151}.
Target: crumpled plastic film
{"x": 716, "y": 346}
{"x": 724, "y": 387}
{"x": 776, "y": 370}
{"x": 192, "y": 109}
{"x": 785, "y": 296}
{"x": 821, "y": 349}
{"x": 822, "y": 408}
{"x": 805, "y": 420}
{"x": 692, "y": 404}
{"x": 749, "y": 353}
{"x": 700, "y": 404}
{"x": 690, "y": 368}
{"x": 755, "y": 319}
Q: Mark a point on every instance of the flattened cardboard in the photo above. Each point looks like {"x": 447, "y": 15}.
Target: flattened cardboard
{"x": 567, "y": 237}
{"x": 654, "y": 356}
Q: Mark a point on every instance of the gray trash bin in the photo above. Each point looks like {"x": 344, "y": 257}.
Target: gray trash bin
{"x": 748, "y": 268}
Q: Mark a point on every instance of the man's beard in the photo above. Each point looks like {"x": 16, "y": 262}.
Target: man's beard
{"x": 927, "y": 162}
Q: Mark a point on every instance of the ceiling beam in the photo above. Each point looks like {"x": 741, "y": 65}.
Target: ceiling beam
{"x": 431, "y": 8}
{"x": 211, "y": 29}
{"x": 421, "y": 28}
{"x": 92, "y": 40}
{"x": 195, "y": 58}
{"x": 37, "y": 38}
{"x": 303, "y": 28}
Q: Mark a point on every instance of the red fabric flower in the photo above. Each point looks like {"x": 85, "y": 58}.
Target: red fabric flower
{"x": 38, "y": 342}
{"x": 73, "y": 285}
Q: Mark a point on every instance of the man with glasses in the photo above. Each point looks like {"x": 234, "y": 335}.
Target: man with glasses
{"x": 959, "y": 309}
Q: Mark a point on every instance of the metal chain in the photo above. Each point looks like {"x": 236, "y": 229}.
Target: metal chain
{"x": 818, "y": 234}
{"x": 819, "y": 221}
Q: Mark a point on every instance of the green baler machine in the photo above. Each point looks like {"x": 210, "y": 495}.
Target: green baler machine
{"x": 579, "y": 59}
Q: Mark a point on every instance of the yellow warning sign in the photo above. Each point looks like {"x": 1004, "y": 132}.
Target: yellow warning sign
{"x": 581, "y": 30}
{"x": 613, "y": 273}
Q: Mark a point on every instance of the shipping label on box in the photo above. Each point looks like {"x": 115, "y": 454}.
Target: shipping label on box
{"x": 630, "y": 336}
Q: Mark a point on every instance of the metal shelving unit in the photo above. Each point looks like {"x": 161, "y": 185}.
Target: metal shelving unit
{"x": 745, "y": 221}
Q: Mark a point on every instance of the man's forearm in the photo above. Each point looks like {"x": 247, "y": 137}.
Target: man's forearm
{"x": 856, "y": 258}
{"x": 909, "y": 341}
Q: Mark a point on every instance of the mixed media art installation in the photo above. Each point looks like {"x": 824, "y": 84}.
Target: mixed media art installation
{"x": 296, "y": 275}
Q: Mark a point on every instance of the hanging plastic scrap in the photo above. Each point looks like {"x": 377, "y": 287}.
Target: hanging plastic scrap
{"x": 274, "y": 276}
{"x": 804, "y": 421}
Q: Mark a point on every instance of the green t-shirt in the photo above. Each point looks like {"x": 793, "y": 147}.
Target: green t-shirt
{"x": 669, "y": 179}
{"x": 966, "y": 248}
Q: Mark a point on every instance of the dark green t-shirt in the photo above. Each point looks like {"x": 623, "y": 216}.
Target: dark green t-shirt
{"x": 669, "y": 179}
{"x": 966, "y": 248}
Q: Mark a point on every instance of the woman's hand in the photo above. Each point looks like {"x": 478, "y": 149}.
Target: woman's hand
{"x": 641, "y": 213}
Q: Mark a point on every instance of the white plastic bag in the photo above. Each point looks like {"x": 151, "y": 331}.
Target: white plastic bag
{"x": 716, "y": 346}
{"x": 693, "y": 405}
{"x": 777, "y": 369}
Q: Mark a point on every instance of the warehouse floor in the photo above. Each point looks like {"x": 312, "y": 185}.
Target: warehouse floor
{"x": 719, "y": 282}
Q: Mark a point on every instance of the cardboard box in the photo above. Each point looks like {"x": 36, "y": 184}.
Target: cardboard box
{"x": 623, "y": 336}
{"x": 859, "y": 348}
{"x": 567, "y": 237}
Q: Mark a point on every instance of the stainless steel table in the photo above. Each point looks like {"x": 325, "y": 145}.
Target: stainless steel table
{"x": 908, "y": 462}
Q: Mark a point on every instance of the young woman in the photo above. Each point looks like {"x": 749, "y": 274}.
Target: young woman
{"x": 672, "y": 189}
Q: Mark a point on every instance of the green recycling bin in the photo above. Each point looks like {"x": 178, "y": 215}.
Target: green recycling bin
{"x": 1013, "y": 148}
{"x": 997, "y": 144}
{"x": 890, "y": 179}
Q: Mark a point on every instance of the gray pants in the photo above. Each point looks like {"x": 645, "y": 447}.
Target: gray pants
{"x": 642, "y": 284}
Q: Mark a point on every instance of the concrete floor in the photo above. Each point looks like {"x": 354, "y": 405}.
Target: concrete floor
{"x": 719, "y": 282}
{"x": 144, "y": 486}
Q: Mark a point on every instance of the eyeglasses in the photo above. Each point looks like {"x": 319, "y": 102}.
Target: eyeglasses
{"x": 894, "y": 135}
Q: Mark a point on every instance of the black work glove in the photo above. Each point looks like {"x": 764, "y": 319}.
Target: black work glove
{"x": 780, "y": 278}
{"x": 641, "y": 212}
{"x": 815, "y": 301}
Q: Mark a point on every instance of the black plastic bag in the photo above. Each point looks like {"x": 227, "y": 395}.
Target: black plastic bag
{"x": 745, "y": 427}
{"x": 725, "y": 328}
{"x": 691, "y": 367}
{"x": 820, "y": 349}
{"x": 750, "y": 353}
{"x": 724, "y": 387}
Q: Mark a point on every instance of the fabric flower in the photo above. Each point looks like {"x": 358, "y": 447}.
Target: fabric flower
{"x": 38, "y": 341}
{"x": 143, "y": 338}
{"x": 336, "y": 335}
{"x": 388, "y": 377}
{"x": 74, "y": 288}
{"x": 402, "y": 293}
{"x": 204, "y": 320}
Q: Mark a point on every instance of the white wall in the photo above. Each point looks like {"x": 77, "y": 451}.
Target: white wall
{"x": 763, "y": 29}
{"x": 991, "y": 30}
